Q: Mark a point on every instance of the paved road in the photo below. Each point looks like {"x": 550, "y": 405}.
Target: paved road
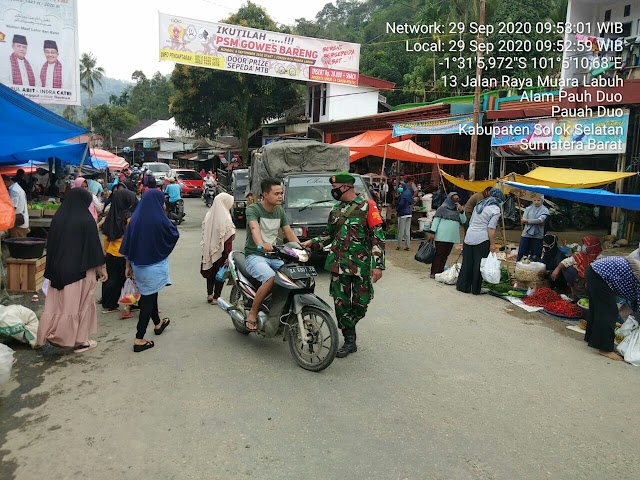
{"x": 444, "y": 386}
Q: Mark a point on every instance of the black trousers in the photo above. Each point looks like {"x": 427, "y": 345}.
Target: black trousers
{"x": 603, "y": 312}
{"x": 470, "y": 278}
{"x": 148, "y": 311}
{"x": 214, "y": 287}
{"x": 443, "y": 249}
{"x": 111, "y": 289}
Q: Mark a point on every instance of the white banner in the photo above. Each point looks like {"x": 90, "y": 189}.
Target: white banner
{"x": 39, "y": 50}
{"x": 260, "y": 52}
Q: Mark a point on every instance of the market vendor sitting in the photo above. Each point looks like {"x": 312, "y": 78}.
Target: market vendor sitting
{"x": 574, "y": 267}
{"x": 551, "y": 257}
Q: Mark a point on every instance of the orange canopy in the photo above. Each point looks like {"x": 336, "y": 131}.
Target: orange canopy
{"x": 373, "y": 142}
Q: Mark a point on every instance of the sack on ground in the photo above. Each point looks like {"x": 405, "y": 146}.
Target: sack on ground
{"x": 490, "y": 268}
{"x": 20, "y": 323}
{"x": 426, "y": 252}
{"x": 6, "y": 361}
{"x": 129, "y": 294}
{"x": 450, "y": 276}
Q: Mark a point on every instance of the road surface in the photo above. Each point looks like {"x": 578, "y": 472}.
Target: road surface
{"x": 443, "y": 386}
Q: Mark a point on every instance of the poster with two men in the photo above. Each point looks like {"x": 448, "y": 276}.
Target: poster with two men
{"x": 39, "y": 50}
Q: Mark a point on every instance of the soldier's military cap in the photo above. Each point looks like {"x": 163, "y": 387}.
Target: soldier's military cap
{"x": 343, "y": 177}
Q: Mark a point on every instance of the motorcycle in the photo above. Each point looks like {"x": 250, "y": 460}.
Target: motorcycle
{"x": 292, "y": 309}
{"x": 208, "y": 195}
{"x": 175, "y": 210}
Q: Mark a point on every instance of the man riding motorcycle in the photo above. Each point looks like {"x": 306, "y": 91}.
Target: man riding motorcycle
{"x": 174, "y": 192}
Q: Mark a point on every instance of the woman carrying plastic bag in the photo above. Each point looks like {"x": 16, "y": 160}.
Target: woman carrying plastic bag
{"x": 479, "y": 241}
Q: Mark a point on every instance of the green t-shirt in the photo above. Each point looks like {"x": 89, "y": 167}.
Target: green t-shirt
{"x": 270, "y": 224}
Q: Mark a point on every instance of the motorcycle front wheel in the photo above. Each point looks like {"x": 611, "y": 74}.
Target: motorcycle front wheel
{"x": 318, "y": 352}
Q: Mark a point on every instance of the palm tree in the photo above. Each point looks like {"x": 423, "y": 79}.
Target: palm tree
{"x": 90, "y": 74}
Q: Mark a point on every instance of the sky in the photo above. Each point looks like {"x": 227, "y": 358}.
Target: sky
{"x": 123, "y": 34}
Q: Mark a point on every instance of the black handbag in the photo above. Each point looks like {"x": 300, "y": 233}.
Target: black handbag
{"x": 426, "y": 252}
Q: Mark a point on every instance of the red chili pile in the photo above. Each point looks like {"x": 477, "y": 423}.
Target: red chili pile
{"x": 542, "y": 297}
{"x": 562, "y": 307}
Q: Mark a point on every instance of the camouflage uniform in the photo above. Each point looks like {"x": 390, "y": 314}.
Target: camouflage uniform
{"x": 355, "y": 250}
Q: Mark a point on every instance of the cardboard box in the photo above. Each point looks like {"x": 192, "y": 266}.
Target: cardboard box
{"x": 25, "y": 275}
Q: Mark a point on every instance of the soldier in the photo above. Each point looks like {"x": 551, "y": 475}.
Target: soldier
{"x": 356, "y": 258}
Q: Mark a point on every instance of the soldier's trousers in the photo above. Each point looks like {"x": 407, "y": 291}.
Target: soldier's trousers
{"x": 351, "y": 296}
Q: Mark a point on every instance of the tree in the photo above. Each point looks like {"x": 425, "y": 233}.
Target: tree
{"x": 206, "y": 100}
{"x": 108, "y": 120}
{"x": 70, "y": 113}
{"x": 90, "y": 74}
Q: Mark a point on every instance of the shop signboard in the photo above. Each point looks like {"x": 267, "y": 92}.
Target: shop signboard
{"x": 435, "y": 126}
{"x": 235, "y": 48}
{"x": 39, "y": 55}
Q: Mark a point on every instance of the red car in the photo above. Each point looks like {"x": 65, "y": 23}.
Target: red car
{"x": 190, "y": 181}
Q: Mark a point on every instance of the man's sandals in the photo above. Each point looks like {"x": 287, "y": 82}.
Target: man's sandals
{"x": 251, "y": 325}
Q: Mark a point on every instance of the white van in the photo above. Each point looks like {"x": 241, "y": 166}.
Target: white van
{"x": 159, "y": 169}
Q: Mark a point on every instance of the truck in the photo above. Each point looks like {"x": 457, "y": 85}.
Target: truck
{"x": 235, "y": 183}
{"x": 305, "y": 168}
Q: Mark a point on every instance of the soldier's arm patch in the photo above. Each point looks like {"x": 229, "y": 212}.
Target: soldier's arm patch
{"x": 373, "y": 217}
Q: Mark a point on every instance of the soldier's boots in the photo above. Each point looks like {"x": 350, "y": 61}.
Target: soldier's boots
{"x": 349, "y": 345}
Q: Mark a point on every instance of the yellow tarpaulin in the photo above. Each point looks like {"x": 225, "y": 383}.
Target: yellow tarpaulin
{"x": 549, "y": 176}
{"x": 476, "y": 186}
{"x": 570, "y": 178}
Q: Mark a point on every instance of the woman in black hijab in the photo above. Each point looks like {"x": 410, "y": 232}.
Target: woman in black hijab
{"x": 123, "y": 202}
{"x": 551, "y": 257}
{"x": 74, "y": 259}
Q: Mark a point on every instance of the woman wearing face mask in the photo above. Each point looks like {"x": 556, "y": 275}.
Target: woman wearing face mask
{"x": 551, "y": 257}
{"x": 533, "y": 229}
{"x": 479, "y": 241}
{"x": 405, "y": 202}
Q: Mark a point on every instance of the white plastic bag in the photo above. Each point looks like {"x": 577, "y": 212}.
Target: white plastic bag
{"x": 450, "y": 276}
{"x": 631, "y": 348}
{"x": 129, "y": 295}
{"x": 6, "y": 361}
{"x": 627, "y": 327}
{"x": 490, "y": 268}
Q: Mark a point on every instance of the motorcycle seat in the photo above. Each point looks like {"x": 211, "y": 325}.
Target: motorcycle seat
{"x": 241, "y": 264}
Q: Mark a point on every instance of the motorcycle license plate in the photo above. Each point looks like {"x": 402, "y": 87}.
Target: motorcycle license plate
{"x": 301, "y": 272}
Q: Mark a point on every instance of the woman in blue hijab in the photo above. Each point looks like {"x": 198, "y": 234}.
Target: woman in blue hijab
{"x": 148, "y": 241}
{"x": 479, "y": 241}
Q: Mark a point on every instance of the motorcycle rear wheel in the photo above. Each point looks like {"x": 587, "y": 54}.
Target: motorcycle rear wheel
{"x": 235, "y": 299}
{"x": 318, "y": 355}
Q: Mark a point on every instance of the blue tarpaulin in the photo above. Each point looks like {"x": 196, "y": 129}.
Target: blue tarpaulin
{"x": 25, "y": 125}
{"x": 68, "y": 153}
{"x": 585, "y": 195}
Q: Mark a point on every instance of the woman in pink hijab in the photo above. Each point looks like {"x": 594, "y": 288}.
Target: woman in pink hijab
{"x": 96, "y": 206}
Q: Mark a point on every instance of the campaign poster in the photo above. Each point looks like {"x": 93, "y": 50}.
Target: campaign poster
{"x": 260, "y": 52}
{"x": 39, "y": 50}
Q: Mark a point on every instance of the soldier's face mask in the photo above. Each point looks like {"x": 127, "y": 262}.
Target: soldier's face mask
{"x": 337, "y": 192}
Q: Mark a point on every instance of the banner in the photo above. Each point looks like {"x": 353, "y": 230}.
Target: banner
{"x": 435, "y": 126}
{"x": 561, "y": 136}
{"x": 240, "y": 49}
{"x": 39, "y": 56}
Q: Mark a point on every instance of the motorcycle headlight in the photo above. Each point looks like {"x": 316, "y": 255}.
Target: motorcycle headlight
{"x": 241, "y": 204}
{"x": 297, "y": 231}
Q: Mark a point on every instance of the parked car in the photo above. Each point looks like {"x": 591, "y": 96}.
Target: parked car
{"x": 190, "y": 181}
{"x": 160, "y": 170}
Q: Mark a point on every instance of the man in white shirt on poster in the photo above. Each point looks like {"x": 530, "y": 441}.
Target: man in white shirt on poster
{"x": 51, "y": 73}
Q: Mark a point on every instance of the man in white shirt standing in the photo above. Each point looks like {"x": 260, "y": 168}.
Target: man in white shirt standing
{"x": 51, "y": 71}
{"x": 19, "y": 199}
{"x": 21, "y": 71}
